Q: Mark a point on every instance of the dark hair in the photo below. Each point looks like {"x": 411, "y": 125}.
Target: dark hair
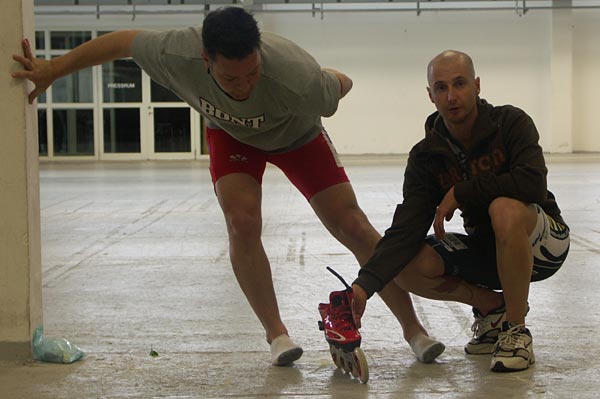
{"x": 231, "y": 32}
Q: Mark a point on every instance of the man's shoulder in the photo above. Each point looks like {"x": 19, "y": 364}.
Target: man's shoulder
{"x": 283, "y": 56}
{"x": 273, "y": 39}
{"x": 422, "y": 148}
{"x": 509, "y": 120}
{"x": 286, "y": 66}
{"x": 185, "y": 42}
{"x": 506, "y": 111}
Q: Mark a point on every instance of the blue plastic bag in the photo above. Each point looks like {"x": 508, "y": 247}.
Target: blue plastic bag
{"x": 54, "y": 350}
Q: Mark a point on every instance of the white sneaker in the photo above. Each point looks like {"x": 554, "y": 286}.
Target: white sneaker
{"x": 426, "y": 348}
{"x": 485, "y": 331}
{"x": 284, "y": 351}
{"x": 514, "y": 349}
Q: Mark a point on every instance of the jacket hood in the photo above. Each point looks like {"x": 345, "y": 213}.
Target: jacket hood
{"x": 434, "y": 124}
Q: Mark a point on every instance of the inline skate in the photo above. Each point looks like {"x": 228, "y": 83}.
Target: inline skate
{"x": 341, "y": 333}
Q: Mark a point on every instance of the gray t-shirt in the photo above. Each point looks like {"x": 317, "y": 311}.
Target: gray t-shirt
{"x": 282, "y": 113}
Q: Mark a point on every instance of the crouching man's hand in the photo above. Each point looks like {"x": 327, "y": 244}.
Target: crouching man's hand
{"x": 359, "y": 303}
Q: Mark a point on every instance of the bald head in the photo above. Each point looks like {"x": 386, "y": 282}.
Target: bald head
{"x": 454, "y": 89}
{"x": 448, "y": 58}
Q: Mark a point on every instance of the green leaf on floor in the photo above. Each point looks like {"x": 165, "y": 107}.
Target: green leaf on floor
{"x": 153, "y": 353}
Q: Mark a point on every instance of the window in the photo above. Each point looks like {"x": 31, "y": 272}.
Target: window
{"x": 121, "y": 130}
{"x": 172, "y": 130}
{"x": 68, "y": 40}
{"x": 121, "y": 82}
{"x": 73, "y": 131}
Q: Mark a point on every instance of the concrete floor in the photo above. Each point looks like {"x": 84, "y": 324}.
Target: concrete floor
{"x": 135, "y": 258}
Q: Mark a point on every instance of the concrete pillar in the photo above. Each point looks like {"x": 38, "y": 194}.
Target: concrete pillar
{"x": 20, "y": 250}
{"x": 561, "y": 74}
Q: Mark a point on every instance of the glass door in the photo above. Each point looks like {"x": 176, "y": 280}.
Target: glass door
{"x": 66, "y": 111}
{"x": 121, "y": 120}
{"x": 72, "y": 99}
{"x": 141, "y": 119}
{"x": 174, "y": 125}
{"x": 172, "y": 130}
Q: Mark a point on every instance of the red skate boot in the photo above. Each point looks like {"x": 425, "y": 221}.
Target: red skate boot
{"x": 341, "y": 332}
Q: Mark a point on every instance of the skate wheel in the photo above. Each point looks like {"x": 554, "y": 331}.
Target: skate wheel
{"x": 347, "y": 366}
{"x": 335, "y": 357}
{"x": 353, "y": 369}
{"x": 362, "y": 368}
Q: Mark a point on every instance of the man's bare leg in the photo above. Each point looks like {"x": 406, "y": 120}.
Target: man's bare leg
{"x": 424, "y": 276}
{"x": 240, "y": 199}
{"x": 513, "y": 223}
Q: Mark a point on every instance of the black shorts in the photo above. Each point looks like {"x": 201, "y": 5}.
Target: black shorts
{"x": 473, "y": 258}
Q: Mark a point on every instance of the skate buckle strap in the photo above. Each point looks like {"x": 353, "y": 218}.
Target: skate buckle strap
{"x": 348, "y": 288}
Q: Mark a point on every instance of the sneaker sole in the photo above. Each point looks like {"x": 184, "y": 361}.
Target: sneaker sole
{"x": 500, "y": 367}
{"x": 480, "y": 349}
{"x": 288, "y": 357}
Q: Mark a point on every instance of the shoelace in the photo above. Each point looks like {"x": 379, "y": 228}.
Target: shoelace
{"x": 512, "y": 338}
{"x": 480, "y": 325}
{"x": 476, "y": 327}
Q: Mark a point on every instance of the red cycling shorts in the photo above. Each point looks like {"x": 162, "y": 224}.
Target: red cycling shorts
{"x": 311, "y": 168}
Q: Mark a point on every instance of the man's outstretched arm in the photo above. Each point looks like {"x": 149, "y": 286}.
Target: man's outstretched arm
{"x": 43, "y": 73}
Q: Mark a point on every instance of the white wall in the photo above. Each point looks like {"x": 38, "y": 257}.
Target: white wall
{"x": 586, "y": 81}
{"x": 386, "y": 54}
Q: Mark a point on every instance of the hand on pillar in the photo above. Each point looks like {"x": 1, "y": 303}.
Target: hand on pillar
{"x": 38, "y": 71}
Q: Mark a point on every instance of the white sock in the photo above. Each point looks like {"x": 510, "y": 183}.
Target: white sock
{"x": 284, "y": 351}
{"x": 426, "y": 348}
